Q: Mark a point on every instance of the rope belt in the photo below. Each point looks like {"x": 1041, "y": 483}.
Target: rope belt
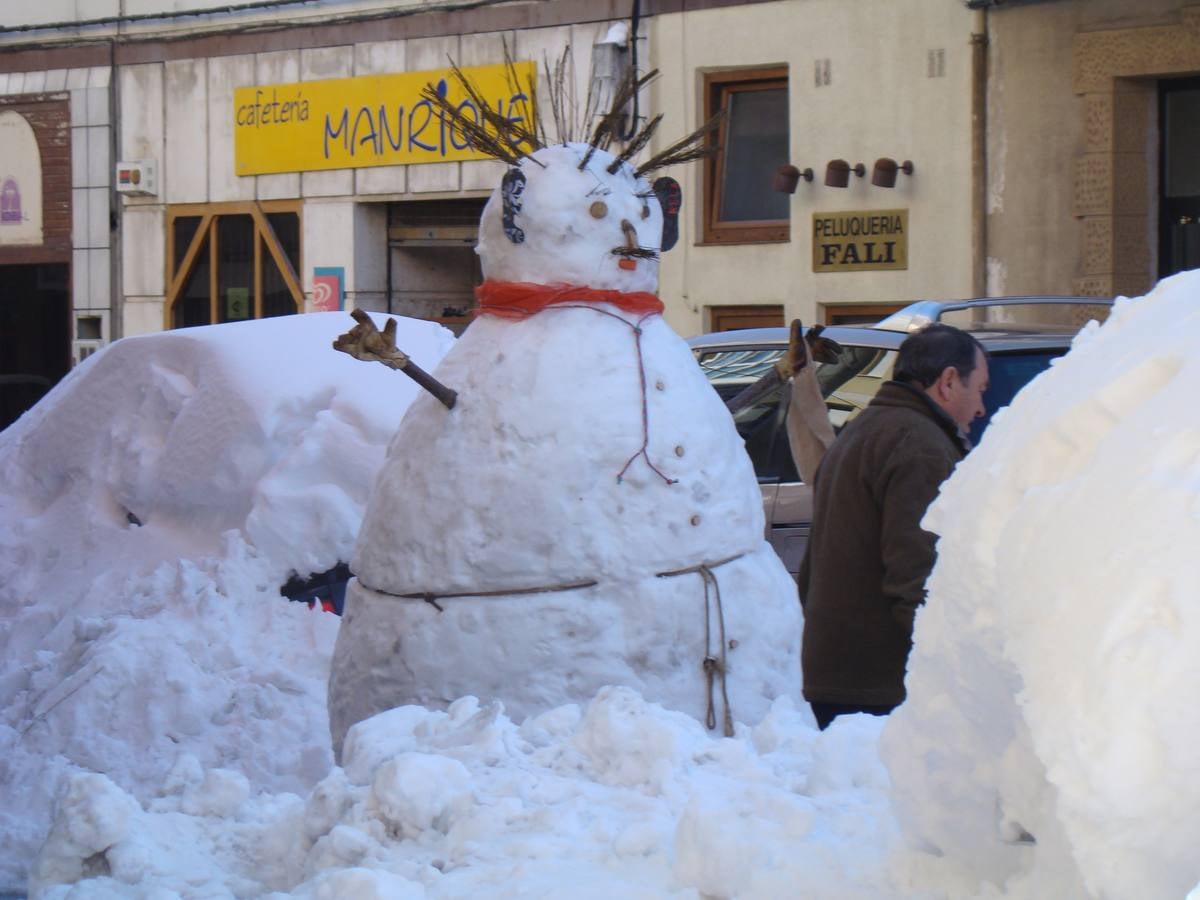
{"x": 714, "y": 666}
{"x": 432, "y": 598}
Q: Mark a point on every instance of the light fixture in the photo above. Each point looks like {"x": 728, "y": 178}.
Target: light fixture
{"x": 837, "y": 172}
{"x": 884, "y": 173}
{"x": 788, "y": 176}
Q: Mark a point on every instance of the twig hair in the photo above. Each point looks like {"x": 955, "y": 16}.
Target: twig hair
{"x": 696, "y": 145}
{"x": 499, "y": 137}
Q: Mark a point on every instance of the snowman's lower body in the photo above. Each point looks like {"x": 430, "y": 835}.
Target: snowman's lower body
{"x": 536, "y": 651}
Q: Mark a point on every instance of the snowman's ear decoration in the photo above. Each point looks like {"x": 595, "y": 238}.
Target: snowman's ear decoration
{"x": 670, "y": 198}
{"x": 511, "y": 188}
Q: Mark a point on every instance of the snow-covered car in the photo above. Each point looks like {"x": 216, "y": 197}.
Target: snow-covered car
{"x": 151, "y": 505}
{"x": 734, "y": 359}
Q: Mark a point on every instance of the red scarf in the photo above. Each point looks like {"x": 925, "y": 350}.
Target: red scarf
{"x": 520, "y": 300}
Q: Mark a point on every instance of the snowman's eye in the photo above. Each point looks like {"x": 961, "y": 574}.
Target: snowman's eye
{"x": 645, "y": 210}
{"x": 599, "y": 209}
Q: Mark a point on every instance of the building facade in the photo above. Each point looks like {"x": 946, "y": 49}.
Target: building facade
{"x": 1093, "y": 110}
{"x": 860, "y": 85}
{"x": 157, "y": 174}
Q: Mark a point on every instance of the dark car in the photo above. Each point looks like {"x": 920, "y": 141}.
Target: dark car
{"x": 734, "y": 359}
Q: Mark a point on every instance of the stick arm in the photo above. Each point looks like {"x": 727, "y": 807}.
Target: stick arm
{"x": 366, "y": 342}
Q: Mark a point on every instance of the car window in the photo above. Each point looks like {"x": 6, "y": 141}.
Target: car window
{"x": 763, "y": 426}
{"x": 847, "y": 384}
{"x": 762, "y": 423}
{"x": 731, "y": 370}
{"x": 1007, "y": 374}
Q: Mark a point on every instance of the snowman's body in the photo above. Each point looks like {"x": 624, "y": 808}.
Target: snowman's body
{"x": 575, "y": 556}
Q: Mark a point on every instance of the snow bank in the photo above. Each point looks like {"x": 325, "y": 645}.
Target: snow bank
{"x": 620, "y": 798}
{"x": 1046, "y": 750}
{"x": 1049, "y": 740}
{"x": 151, "y": 506}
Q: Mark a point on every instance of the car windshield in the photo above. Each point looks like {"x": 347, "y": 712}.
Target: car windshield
{"x": 847, "y": 385}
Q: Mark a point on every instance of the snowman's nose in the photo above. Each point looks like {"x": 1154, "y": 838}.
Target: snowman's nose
{"x": 631, "y": 239}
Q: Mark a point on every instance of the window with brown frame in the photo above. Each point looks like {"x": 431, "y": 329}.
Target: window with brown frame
{"x": 856, "y": 313}
{"x": 232, "y": 261}
{"x": 740, "y": 204}
{"x": 728, "y": 318}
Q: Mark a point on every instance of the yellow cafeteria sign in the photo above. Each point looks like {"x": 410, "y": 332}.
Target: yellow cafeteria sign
{"x": 857, "y": 241}
{"x": 373, "y": 120}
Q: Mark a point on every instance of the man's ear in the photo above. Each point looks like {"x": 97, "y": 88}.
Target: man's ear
{"x": 949, "y": 379}
{"x": 946, "y": 381}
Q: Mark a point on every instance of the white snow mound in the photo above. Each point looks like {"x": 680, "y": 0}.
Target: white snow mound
{"x": 618, "y": 798}
{"x": 152, "y": 504}
{"x": 1049, "y": 740}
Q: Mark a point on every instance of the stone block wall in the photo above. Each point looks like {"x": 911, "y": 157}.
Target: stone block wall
{"x": 1116, "y": 178}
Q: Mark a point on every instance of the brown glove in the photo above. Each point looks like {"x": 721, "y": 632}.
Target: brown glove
{"x": 820, "y": 348}
{"x": 799, "y": 352}
{"x": 365, "y": 341}
{"x": 795, "y": 357}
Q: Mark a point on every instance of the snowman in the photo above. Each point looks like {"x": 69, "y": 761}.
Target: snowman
{"x": 585, "y": 514}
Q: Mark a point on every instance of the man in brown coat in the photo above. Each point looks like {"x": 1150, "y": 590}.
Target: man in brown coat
{"x": 863, "y": 574}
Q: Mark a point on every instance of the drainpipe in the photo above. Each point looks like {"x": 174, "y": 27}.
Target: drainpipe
{"x": 387, "y": 245}
{"x": 979, "y": 167}
{"x": 116, "y": 274}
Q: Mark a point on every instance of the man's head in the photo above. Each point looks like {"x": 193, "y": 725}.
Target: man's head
{"x": 949, "y": 366}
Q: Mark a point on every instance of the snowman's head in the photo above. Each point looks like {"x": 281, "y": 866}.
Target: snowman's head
{"x": 572, "y": 214}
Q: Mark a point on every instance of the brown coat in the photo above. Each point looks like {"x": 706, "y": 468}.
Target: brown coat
{"x": 863, "y": 574}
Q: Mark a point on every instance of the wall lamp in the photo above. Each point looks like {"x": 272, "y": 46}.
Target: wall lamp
{"x": 788, "y": 176}
{"x": 837, "y": 172}
{"x": 884, "y": 173}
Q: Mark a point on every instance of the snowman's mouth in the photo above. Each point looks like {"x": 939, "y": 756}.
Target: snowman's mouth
{"x": 635, "y": 252}
{"x": 632, "y": 249}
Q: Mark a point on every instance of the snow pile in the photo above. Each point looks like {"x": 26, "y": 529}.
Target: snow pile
{"x": 617, "y": 799}
{"x": 1046, "y": 750}
{"x": 152, "y": 505}
{"x": 1049, "y": 741}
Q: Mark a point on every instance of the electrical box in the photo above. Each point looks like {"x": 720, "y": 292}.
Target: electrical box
{"x": 81, "y": 350}
{"x": 91, "y": 333}
{"x": 137, "y": 178}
